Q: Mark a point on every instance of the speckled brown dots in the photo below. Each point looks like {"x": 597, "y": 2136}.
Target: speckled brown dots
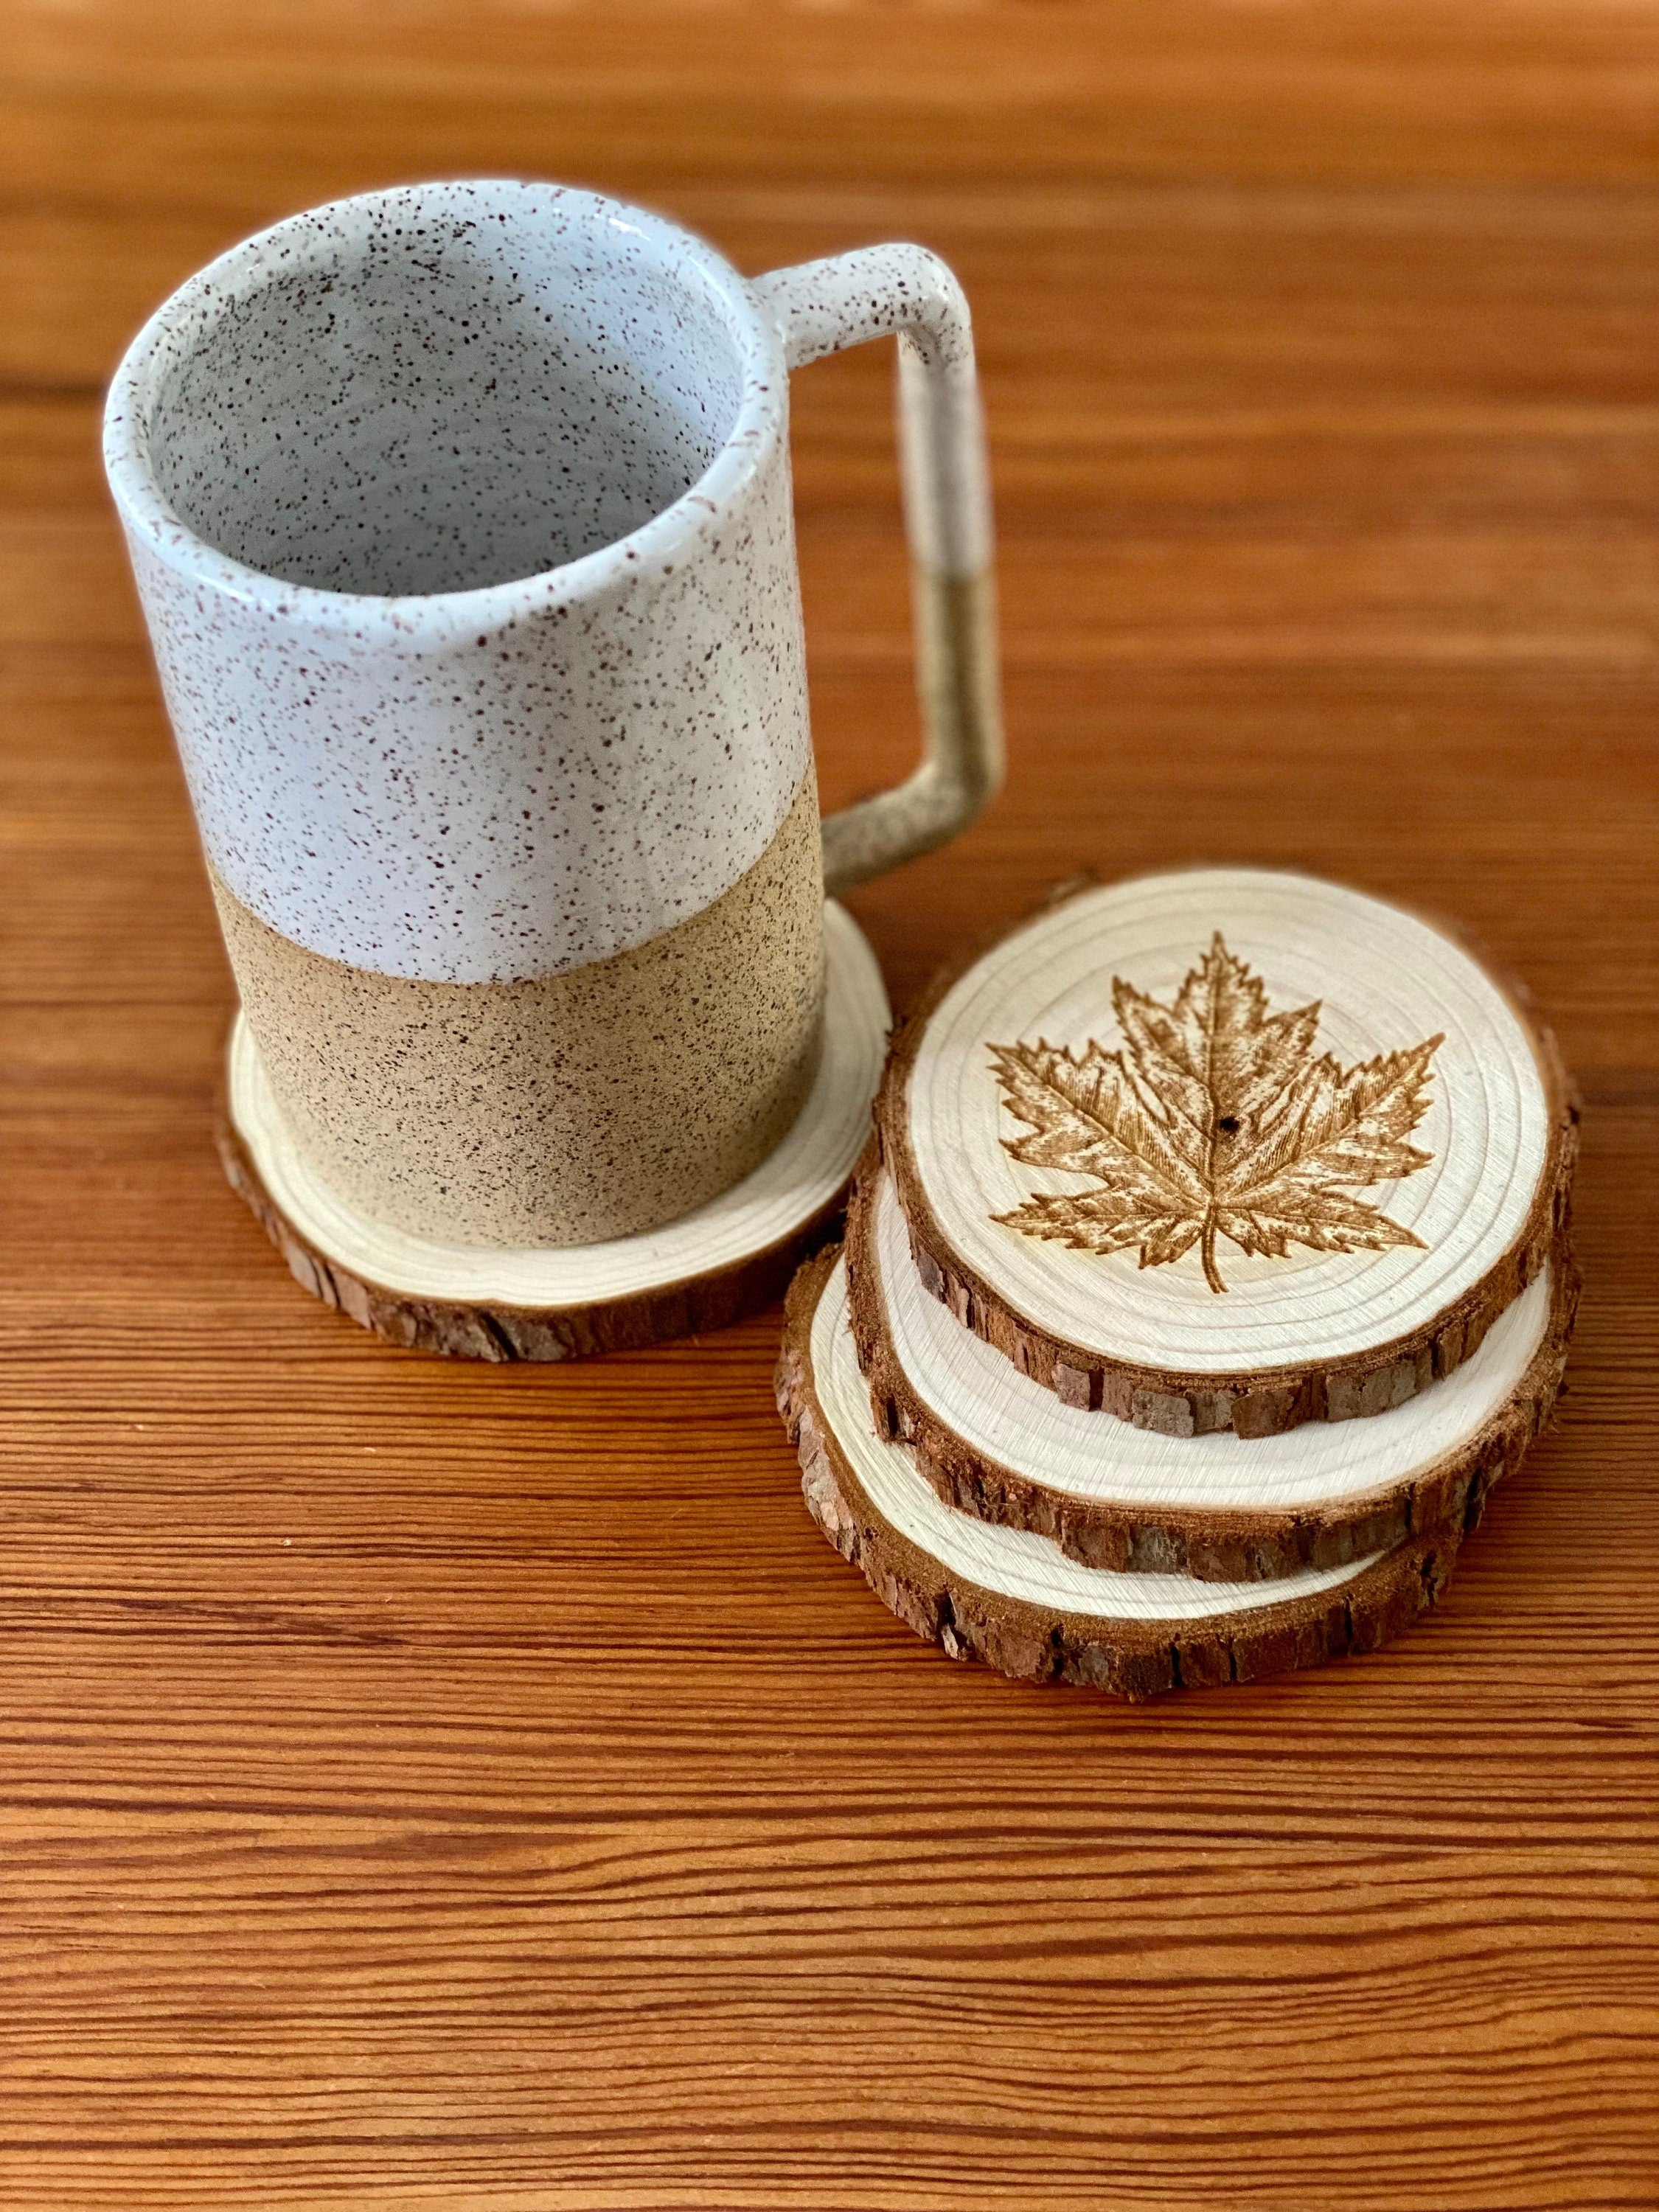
{"x": 461, "y": 518}
{"x": 568, "y": 1109}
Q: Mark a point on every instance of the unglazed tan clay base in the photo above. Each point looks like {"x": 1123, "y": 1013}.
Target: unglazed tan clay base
{"x": 1014, "y": 1599}
{"x": 731, "y": 1257}
{"x": 568, "y": 1109}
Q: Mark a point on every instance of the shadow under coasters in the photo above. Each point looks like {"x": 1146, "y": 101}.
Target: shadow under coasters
{"x": 1220, "y": 1507}
{"x": 729, "y": 1257}
{"x": 1014, "y": 1599}
{"x": 1227, "y": 1148}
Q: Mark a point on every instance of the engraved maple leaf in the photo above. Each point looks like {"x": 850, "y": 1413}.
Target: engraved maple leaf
{"x": 1217, "y": 1118}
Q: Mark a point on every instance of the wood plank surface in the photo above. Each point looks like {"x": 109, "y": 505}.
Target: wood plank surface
{"x": 426, "y": 1785}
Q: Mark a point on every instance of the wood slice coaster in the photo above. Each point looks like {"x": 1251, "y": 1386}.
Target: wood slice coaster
{"x": 1015, "y": 1600}
{"x": 728, "y": 1259}
{"x": 1227, "y": 1148}
{"x": 1222, "y": 1507}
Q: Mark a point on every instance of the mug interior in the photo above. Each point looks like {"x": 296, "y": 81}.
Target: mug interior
{"x": 427, "y": 393}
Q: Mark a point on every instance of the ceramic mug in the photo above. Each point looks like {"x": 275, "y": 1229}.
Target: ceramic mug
{"x": 461, "y": 519}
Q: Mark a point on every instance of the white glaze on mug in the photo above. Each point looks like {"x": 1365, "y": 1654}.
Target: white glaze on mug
{"x": 461, "y": 519}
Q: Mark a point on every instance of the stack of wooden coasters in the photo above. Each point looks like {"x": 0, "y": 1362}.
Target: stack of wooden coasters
{"x": 1210, "y": 1265}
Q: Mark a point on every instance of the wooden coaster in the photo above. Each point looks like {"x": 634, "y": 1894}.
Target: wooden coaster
{"x": 1013, "y": 1598}
{"x": 1221, "y": 1507}
{"x": 1227, "y": 1148}
{"x": 727, "y": 1259}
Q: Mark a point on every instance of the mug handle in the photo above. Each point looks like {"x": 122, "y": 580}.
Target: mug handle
{"x": 881, "y": 291}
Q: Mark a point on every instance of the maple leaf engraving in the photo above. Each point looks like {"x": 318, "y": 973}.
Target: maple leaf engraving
{"x": 1216, "y": 1118}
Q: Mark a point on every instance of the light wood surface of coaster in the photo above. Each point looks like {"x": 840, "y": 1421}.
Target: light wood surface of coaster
{"x": 727, "y": 1259}
{"x": 1014, "y": 1599}
{"x": 1227, "y": 1147}
{"x": 995, "y": 1443}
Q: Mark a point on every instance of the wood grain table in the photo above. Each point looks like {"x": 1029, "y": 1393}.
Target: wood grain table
{"x": 434, "y": 1785}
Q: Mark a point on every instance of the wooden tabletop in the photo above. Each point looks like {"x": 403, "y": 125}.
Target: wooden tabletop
{"x": 425, "y": 1784}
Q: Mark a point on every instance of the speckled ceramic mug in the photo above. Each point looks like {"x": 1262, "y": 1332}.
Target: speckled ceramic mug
{"x": 461, "y": 518}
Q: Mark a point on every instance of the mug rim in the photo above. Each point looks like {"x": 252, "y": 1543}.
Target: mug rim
{"x": 429, "y": 616}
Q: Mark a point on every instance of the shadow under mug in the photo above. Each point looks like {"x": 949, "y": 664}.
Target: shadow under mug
{"x": 462, "y": 522}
